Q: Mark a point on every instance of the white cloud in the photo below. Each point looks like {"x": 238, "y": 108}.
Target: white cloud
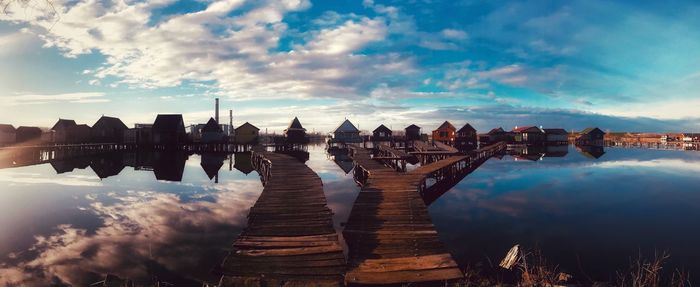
{"x": 238, "y": 53}
{"x": 454, "y": 34}
{"x": 35, "y": 99}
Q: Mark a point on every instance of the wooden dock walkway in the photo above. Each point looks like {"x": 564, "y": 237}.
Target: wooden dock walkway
{"x": 389, "y": 233}
{"x": 445, "y": 147}
{"x": 290, "y": 239}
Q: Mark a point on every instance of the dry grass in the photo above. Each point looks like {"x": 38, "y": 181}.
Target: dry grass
{"x": 650, "y": 273}
{"x": 532, "y": 270}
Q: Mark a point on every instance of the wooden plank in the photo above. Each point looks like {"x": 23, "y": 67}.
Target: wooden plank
{"x": 290, "y": 239}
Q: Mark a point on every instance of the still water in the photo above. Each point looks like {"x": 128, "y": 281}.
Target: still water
{"x": 173, "y": 217}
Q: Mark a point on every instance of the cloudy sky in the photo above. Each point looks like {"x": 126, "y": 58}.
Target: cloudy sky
{"x": 625, "y": 65}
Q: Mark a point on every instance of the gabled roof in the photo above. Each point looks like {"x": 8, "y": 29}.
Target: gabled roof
{"x": 446, "y": 125}
{"x": 382, "y": 128}
{"x": 212, "y": 126}
{"x": 589, "y": 130}
{"x": 29, "y": 129}
{"x": 466, "y": 127}
{"x": 63, "y": 124}
{"x": 412, "y": 126}
{"x": 555, "y": 131}
{"x": 7, "y": 128}
{"x": 110, "y": 122}
{"x": 526, "y": 128}
{"x": 295, "y": 125}
{"x": 168, "y": 122}
{"x": 346, "y": 127}
{"x": 211, "y": 164}
{"x": 247, "y": 125}
{"x": 497, "y": 130}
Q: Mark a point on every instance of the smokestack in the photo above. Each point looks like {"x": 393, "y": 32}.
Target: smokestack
{"x": 230, "y": 122}
{"x": 216, "y": 117}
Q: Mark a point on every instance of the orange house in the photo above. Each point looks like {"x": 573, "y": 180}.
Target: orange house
{"x": 445, "y": 133}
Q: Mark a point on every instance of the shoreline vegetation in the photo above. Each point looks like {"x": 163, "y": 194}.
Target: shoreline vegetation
{"x": 529, "y": 268}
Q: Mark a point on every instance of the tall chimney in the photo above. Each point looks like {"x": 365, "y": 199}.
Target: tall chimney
{"x": 216, "y": 117}
{"x": 230, "y": 122}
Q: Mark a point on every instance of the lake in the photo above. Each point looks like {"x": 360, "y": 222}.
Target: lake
{"x": 172, "y": 217}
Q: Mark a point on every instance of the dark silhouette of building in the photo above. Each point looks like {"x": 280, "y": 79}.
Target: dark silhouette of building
{"x": 242, "y": 162}
{"x": 169, "y": 165}
{"x": 591, "y": 151}
{"x": 295, "y": 133}
{"x": 246, "y": 134}
{"x": 63, "y": 130}
{"x": 26, "y": 134}
{"x": 445, "y": 133}
{"x": 412, "y": 133}
{"x": 212, "y": 132}
{"x": 106, "y": 165}
{"x": 8, "y": 134}
{"x": 211, "y": 163}
{"x": 347, "y": 133}
{"x": 556, "y": 136}
{"x": 529, "y": 135}
{"x": 108, "y": 130}
{"x": 343, "y": 161}
{"x": 141, "y": 134}
{"x": 466, "y": 138}
{"x": 169, "y": 130}
{"x": 556, "y": 150}
{"x": 591, "y": 136}
{"x": 381, "y": 133}
{"x": 68, "y": 165}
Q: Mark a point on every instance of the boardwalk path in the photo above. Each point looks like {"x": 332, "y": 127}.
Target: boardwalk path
{"x": 390, "y": 236}
{"x": 290, "y": 240}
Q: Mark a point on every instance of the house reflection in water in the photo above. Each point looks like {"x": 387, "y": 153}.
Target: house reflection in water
{"x": 108, "y": 164}
{"x": 591, "y": 151}
{"x": 169, "y": 165}
{"x": 242, "y": 163}
{"x": 526, "y": 152}
{"x": 212, "y": 163}
{"x": 556, "y": 151}
{"x": 342, "y": 160}
{"x": 68, "y": 165}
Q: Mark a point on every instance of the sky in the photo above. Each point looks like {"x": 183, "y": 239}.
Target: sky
{"x": 618, "y": 65}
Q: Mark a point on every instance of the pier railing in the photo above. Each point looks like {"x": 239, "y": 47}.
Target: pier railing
{"x": 261, "y": 164}
{"x": 450, "y": 170}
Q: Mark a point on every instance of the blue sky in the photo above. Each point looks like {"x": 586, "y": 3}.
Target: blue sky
{"x": 620, "y": 65}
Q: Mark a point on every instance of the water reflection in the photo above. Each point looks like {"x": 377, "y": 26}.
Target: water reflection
{"x": 590, "y": 209}
{"x": 62, "y": 223}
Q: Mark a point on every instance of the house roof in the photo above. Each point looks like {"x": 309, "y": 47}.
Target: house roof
{"x": 295, "y": 125}
{"x": 212, "y": 126}
{"x": 589, "y": 130}
{"x": 446, "y": 125}
{"x": 382, "y": 128}
{"x": 29, "y": 129}
{"x": 466, "y": 127}
{"x": 555, "y": 131}
{"x": 211, "y": 164}
{"x": 527, "y": 128}
{"x": 7, "y": 128}
{"x": 63, "y": 124}
{"x": 110, "y": 122}
{"x": 412, "y": 126}
{"x": 347, "y": 127}
{"x": 496, "y": 130}
{"x": 168, "y": 122}
{"x": 247, "y": 125}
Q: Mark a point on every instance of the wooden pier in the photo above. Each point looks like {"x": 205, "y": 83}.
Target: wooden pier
{"x": 290, "y": 239}
{"x": 389, "y": 233}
